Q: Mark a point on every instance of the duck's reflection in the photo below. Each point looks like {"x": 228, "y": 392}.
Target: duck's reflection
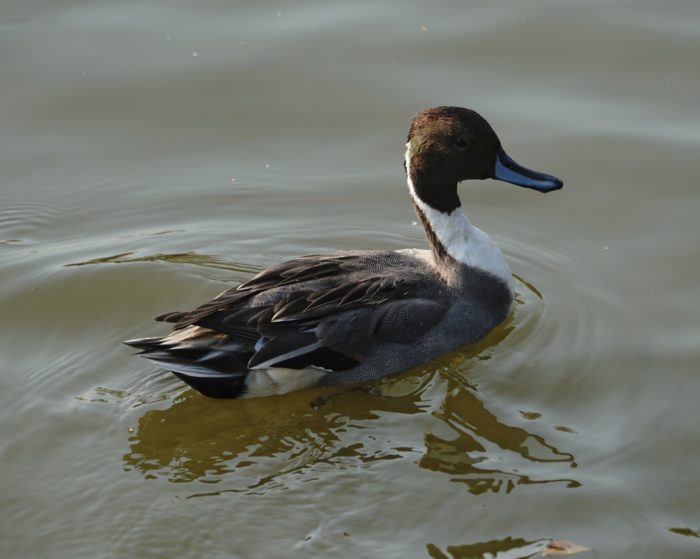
{"x": 476, "y": 445}
{"x": 267, "y": 440}
{"x": 431, "y": 417}
{"x": 513, "y": 548}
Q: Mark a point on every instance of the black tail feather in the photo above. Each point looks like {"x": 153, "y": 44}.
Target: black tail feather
{"x": 216, "y": 387}
{"x": 215, "y": 374}
{"x": 144, "y": 343}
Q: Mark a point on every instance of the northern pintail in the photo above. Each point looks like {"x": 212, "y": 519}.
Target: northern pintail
{"x": 353, "y": 316}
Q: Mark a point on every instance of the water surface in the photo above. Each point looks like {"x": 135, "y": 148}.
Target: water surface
{"x": 155, "y": 153}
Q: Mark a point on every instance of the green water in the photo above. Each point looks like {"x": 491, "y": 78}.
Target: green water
{"x": 155, "y": 153}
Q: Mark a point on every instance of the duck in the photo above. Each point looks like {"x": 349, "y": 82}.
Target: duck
{"x": 356, "y": 316}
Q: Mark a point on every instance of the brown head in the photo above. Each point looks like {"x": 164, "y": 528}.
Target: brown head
{"x": 447, "y": 145}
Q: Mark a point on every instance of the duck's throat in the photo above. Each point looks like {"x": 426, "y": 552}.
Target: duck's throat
{"x": 452, "y": 237}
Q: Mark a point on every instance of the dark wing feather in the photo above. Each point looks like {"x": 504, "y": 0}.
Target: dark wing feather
{"x": 306, "y": 268}
{"x": 285, "y": 346}
{"x": 226, "y": 301}
{"x": 173, "y": 317}
{"x": 371, "y": 291}
{"x": 320, "y": 311}
{"x": 322, "y": 358}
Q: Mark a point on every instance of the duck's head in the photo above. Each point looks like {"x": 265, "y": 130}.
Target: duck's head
{"x": 447, "y": 145}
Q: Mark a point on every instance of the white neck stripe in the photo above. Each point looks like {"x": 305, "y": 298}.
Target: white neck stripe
{"x": 465, "y": 243}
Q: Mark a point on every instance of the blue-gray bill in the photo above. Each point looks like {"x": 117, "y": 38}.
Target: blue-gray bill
{"x": 507, "y": 170}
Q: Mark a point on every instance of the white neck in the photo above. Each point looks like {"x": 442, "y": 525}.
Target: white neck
{"x": 464, "y": 242}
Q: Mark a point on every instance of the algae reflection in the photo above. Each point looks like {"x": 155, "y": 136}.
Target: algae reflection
{"x": 476, "y": 445}
{"x": 513, "y": 548}
{"x": 273, "y": 443}
{"x": 269, "y": 442}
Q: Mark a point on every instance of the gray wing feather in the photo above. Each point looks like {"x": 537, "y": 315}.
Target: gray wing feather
{"x": 324, "y": 311}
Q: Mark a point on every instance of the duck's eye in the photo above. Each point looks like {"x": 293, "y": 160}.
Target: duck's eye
{"x": 461, "y": 144}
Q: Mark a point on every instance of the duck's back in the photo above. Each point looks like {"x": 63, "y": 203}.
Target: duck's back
{"x": 340, "y": 318}
{"x": 470, "y": 308}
